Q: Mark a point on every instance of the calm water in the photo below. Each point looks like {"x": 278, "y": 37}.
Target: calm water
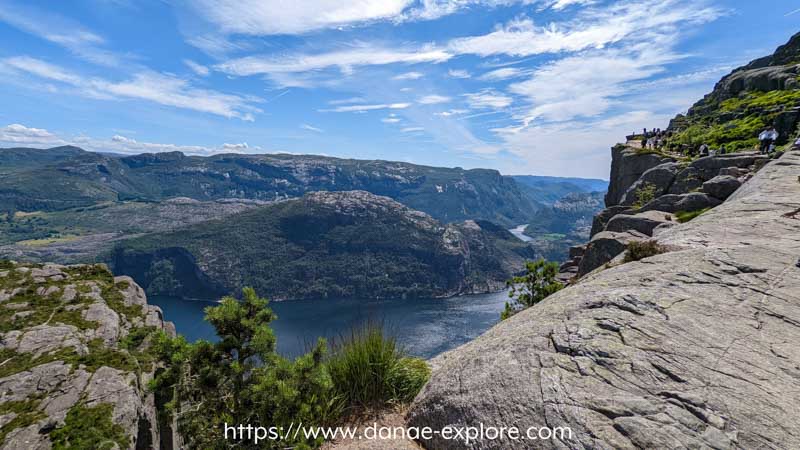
{"x": 519, "y": 232}
{"x": 426, "y": 327}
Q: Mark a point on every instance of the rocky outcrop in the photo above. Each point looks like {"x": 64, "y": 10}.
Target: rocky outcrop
{"x": 627, "y": 166}
{"x": 721, "y": 186}
{"x": 604, "y": 247}
{"x": 693, "y": 348}
{"x": 673, "y": 203}
{"x": 74, "y": 338}
{"x": 644, "y": 222}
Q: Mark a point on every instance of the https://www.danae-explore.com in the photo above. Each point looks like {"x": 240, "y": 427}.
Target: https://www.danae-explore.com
{"x": 374, "y": 431}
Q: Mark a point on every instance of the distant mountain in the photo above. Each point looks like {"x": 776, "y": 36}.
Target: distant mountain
{"x": 325, "y": 244}
{"x": 566, "y": 223}
{"x": 77, "y": 178}
{"x": 548, "y": 190}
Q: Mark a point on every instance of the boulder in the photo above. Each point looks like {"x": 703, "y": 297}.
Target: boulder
{"x": 660, "y": 177}
{"x": 733, "y": 171}
{"x": 604, "y": 247}
{"x": 577, "y": 251}
{"x": 694, "y": 348}
{"x": 673, "y": 203}
{"x": 721, "y": 186}
{"x": 710, "y": 166}
{"x": 687, "y": 180}
{"x": 644, "y": 222}
{"x": 601, "y": 219}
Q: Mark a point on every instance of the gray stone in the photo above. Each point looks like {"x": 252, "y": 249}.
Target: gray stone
{"x": 721, "y": 186}
{"x": 687, "y": 180}
{"x": 36, "y": 381}
{"x": 659, "y": 177}
{"x": 133, "y": 294}
{"x": 695, "y": 348}
{"x": 734, "y": 172}
{"x": 44, "y": 339}
{"x": 108, "y": 328}
{"x": 644, "y": 222}
{"x": 672, "y": 203}
{"x": 577, "y": 251}
{"x": 601, "y": 219}
{"x": 28, "y": 438}
{"x": 604, "y": 247}
{"x": 627, "y": 166}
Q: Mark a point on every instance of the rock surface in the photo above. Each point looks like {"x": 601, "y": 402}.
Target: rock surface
{"x": 68, "y": 352}
{"x": 644, "y": 222}
{"x": 721, "y": 186}
{"x": 604, "y": 247}
{"x": 694, "y": 348}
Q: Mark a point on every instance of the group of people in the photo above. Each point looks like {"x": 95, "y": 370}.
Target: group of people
{"x": 655, "y": 138}
{"x": 767, "y": 139}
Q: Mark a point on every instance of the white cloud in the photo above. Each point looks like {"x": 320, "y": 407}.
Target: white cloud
{"x": 408, "y": 76}
{"x": 267, "y": 17}
{"x": 158, "y": 88}
{"x": 199, "y": 69}
{"x": 488, "y": 98}
{"x": 501, "y": 74}
{"x": 20, "y": 134}
{"x": 458, "y": 73}
{"x": 433, "y": 99}
{"x": 308, "y": 127}
{"x": 235, "y": 147}
{"x": 593, "y": 28}
{"x": 390, "y": 119}
{"x": 365, "y": 108}
{"x": 346, "y": 60}
{"x": 346, "y": 101}
{"x": 412, "y": 129}
{"x": 452, "y": 112}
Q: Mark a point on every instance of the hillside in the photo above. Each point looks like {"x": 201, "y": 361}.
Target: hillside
{"x": 75, "y": 352}
{"x": 565, "y": 223}
{"x": 548, "y": 190}
{"x": 77, "y": 178}
{"x": 344, "y": 244}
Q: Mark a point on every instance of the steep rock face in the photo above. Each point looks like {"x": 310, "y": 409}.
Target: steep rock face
{"x": 74, "y": 338}
{"x": 691, "y": 348}
{"x": 627, "y": 166}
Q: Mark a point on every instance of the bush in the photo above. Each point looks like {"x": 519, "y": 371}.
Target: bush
{"x": 686, "y": 216}
{"x": 645, "y": 195}
{"x": 86, "y": 427}
{"x": 538, "y": 283}
{"x": 369, "y": 370}
{"x": 640, "y": 250}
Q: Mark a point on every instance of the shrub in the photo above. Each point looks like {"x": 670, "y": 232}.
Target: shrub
{"x": 645, "y": 195}
{"x": 685, "y": 216}
{"x": 370, "y": 370}
{"x": 89, "y": 428}
{"x": 538, "y": 283}
{"x": 640, "y": 250}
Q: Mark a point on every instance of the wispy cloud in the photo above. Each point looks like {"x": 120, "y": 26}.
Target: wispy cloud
{"x": 308, "y": 127}
{"x": 501, "y": 74}
{"x": 20, "y": 134}
{"x": 60, "y": 31}
{"x": 412, "y": 129}
{"x": 408, "y": 76}
{"x": 154, "y": 87}
{"x": 365, "y": 108}
{"x": 458, "y": 73}
{"x": 488, "y": 98}
{"x": 433, "y": 99}
{"x": 199, "y": 69}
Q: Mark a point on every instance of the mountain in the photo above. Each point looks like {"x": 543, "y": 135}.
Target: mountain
{"x": 77, "y": 178}
{"x": 548, "y": 190}
{"x": 762, "y": 93}
{"x": 325, "y": 244}
{"x": 566, "y": 223}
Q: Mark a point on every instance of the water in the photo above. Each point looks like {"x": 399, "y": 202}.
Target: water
{"x": 425, "y": 327}
{"x": 519, "y": 233}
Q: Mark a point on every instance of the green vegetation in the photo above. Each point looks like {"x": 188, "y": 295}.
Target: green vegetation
{"x": 369, "y": 370}
{"x": 89, "y": 427}
{"x": 27, "y": 413}
{"x": 241, "y": 378}
{"x": 327, "y": 246}
{"x": 641, "y": 250}
{"x": 538, "y": 283}
{"x": 644, "y": 195}
{"x": 686, "y": 216}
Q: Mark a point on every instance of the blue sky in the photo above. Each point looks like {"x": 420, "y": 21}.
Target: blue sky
{"x": 524, "y": 86}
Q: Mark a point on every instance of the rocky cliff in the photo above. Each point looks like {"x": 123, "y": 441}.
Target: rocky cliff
{"x": 75, "y": 363}
{"x": 695, "y": 347}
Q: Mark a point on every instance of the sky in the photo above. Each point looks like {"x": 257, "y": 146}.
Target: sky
{"x": 542, "y": 87}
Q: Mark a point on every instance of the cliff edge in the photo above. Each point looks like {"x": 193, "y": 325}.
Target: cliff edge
{"x": 75, "y": 361}
{"x": 693, "y": 348}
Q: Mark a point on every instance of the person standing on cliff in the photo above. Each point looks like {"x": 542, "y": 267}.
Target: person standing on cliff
{"x": 763, "y": 139}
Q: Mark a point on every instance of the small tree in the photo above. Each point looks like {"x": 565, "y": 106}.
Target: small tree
{"x": 538, "y": 283}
